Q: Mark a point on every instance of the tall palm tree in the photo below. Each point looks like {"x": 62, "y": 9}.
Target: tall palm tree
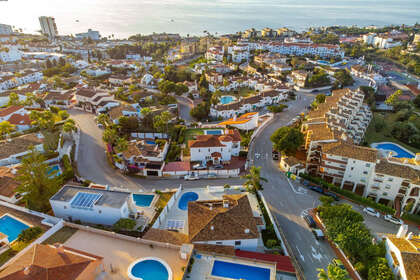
{"x": 121, "y": 145}
{"x": 69, "y": 126}
{"x": 253, "y": 179}
{"x": 103, "y": 119}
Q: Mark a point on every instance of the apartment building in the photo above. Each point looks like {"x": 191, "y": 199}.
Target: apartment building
{"x": 9, "y": 53}
{"x": 48, "y": 26}
{"x": 382, "y": 41}
{"x": 91, "y": 34}
{"x": 5, "y": 29}
{"x": 215, "y": 53}
{"x": 92, "y": 99}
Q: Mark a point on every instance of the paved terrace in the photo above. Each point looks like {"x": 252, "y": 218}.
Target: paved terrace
{"x": 120, "y": 251}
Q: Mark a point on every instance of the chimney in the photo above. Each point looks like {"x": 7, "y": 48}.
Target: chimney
{"x": 247, "y": 230}
{"x": 27, "y": 270}
{"x": 410, "y": 236}
{"x": 211, "y": 227}
{"x": 402, "y": 231}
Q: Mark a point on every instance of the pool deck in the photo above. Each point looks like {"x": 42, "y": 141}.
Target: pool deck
{"x": 119, "y": 253}
{"x": 385, "y": 153}
{"x": 24, "y": 217}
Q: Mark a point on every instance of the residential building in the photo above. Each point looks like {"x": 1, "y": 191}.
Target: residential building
{"x": 60, "y": 99}
{"x": 91, "y": 34}
{"x": 215, "y": 53}
{"x": 8, "y": 184}
{"x": 299, "y": 77}
{"x": 48, "y": 26}
{"x": 43, "y": 262}
{"x": 216, "y": 149}
{"x": 268, "y": 32}
{"x": 124, "y": 110}
{"x": 383, "y": 41}
{"x": 5, "y": 29}
{"x": 119, "y": 80}
{"x": 146, "y": 156}
{"x": 12, "y": 150}
{"x": 375, "y": 79}
{"x": 92, "y": 205}
{"x": 248, "y": 121}
{"x": 10, "y": 53}
{"x": 403, "y": 254}
{"x": 92, "y": 100}
{"x": 17, "y": 116}
{"x": 229, "y": 221}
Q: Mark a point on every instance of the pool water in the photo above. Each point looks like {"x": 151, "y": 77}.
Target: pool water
{"x": 185, "y": 198}
{"x": 239, "y": 271}
{"x": 143, "y": 200}
{"x": 226, "y": 99}
{"x": 150, "y": 142}
{"x": 56, "y": 169}
{"x": 11, "y": 227}
{"x": 213, "y": 132}
{"x": 150, "y": 270}
{"x": 398, "y": 152}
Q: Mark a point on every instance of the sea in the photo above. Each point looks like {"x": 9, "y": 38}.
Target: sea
{"x": 123, "y": 18}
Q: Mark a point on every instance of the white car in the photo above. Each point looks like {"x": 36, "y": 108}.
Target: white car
{"x": 191, "y": 177}
{"x": 371, "y": 211}
{"x": 198, "y": 166}
{"x": 393, "y": 219}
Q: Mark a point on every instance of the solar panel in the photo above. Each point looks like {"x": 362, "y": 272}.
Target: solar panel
{"x": 85, "y": 200}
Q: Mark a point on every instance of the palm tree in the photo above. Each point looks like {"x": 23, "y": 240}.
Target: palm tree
{"x": 121, "y": 145}
{"x": 103, "y": 119}
{"x": 69, "y": 126}
{"x": 6, "y": 128}
{"x": 253, "y": 179}
{"x": 322, "y": 275}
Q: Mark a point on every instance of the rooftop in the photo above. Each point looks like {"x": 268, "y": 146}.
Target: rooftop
{"x": 19, "y": 144}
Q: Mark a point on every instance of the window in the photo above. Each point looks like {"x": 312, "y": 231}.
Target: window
{"x": 385, "y": 194}
{"x": 219, "y": 242}
{"x": 352, "y": 168}
{"x": 100, "y": 211}
{"x": 65, "y": 207}
{"x": 367, "y": 164}
{"x": 237, "y": 243}
{"x": 390, "y": 179}
{"x": 365, "y": 172}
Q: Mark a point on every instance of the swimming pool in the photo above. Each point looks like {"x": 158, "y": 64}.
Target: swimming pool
{"x": 54, "y": 168}
{"x": 150, "y": 142}
{"x": 185, "y": 198}
{"x": 239, "y": 271}
{"x": 214, "y": 132}
{"x": 226, "y": 99}
{"x": 143, "y": 200}
{"x": 149, "y": 269}
{"x": 11, "y": 227}
{"x": 396, "y": 150}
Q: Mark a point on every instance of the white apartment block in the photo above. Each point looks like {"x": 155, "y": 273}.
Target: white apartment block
{"x": 5, "y": 29}
{"x": 215, "y": 53}
{"x": 48, "y": 26}
{"x": 380, "y": 41}
{"x": 12, "y": 80}
{"x": 94, "y": 35}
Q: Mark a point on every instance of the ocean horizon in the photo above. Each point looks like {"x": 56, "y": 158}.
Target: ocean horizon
{"x": 128, "y": 17}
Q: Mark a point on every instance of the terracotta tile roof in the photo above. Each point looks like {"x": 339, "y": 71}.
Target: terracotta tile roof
{"x": 405, "y": 245}
{"x": 350, "y": 151}
{"x": 205, "y": 141}
{"x": 177, "y": 166}
{"x": 166, "y": 236}
{"x": 217, "y": 222}
{"x": 397, "y": 170}
{"x": 58, "y": 95}
{"x": 45, "y": 262}
{"x": 86, "y": 92}
{"x": 218, "y": 249}
{"x": 117, "y": 112}
{"x": 283, "y": 263}
{"x": 141, "y": 149}
{"x": 8, "y": 182}
{"x": 216, "y": 155}
{"x": 18, "y": 119}
{"x": 18, "y": 145}
{"x": 9, "y": 110}
{"x": 411, "y": 262}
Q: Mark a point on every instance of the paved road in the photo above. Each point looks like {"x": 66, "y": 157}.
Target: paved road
{"x": 184, "y": 108}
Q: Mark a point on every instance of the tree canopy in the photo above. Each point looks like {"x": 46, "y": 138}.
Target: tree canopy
{"x": 287, "y": 140}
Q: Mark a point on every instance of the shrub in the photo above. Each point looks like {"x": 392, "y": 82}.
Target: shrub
{"x": 124, "y": 224}
{"x": 29, "y": 234}
{"x": 243, "y": 154}
{"x": 271, "y": 243}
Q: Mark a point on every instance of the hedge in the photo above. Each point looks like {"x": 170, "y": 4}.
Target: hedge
{"x": 411, "y": 217}
{"x": 351, "y": 195}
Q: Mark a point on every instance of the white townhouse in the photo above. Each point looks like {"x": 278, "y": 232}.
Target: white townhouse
{"x": 216, "y": 149}
{"x": 17, "y": 116}
{"x": 124, "y": 110}
{"x": 215, "y": 53}
{"x": 93, "y": 100}
{"x": 10, "y": 53}
{"x": 61, "y": 99}
{"x": 10, "y": 80}
{"x": 97, "y": 71}
{"x": 92, "y": 206}
{"x": 12, "y": 150}
{"x": 119, "y": 80}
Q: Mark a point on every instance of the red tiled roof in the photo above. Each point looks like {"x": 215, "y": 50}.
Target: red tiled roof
{"x": 414, "y": 90}
{"x": 18, "y": 119}
{"x": 283, "y": 263}
{"x": 216, "y": 154}
{"x": 177, "y": 166}
{"x": 9, "y": 110}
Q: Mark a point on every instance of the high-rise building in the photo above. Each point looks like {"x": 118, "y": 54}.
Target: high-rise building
{"x": 48, "y": 26}
{"x": 5, "y": 29}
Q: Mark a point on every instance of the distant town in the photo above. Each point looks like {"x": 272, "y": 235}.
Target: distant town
{"x": 261, "y": 155}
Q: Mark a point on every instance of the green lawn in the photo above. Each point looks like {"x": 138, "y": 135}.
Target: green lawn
{"x": 60, "y": 236}
{"x": 191, "y": 132}
{"x": 385, "y": 135}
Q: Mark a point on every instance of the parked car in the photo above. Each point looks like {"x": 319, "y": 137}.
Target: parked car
{"x": 333, "y": 195}
{"x": 316, "y": 189}
{"x": 172, "y": 106}
{"x": 218, "y": 166}
{"x": 310, "y": 221}
{"x": 393, "y": 219}
{"x": 371, "y": 211}
{"x": 191, "y": 177}
{"x": 338, "y": 263}
{"x": 198, "y": 166}
{"x": 319, "y": 235}
{"x": 275, "y": 155}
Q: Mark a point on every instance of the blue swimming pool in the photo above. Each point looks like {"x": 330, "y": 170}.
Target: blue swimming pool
{"x": 214, "y": 132}
{"x": 226, "y": 99}
{"x": 54, "y": 169}
{"x": 150, "y": 142}
{"x": 11, "y": 227}
{"x": 185, "y": 198}
{"x": 143, "y": 200}
{"x": 149, "y": 270}
{"x": 397, "y": 151}
{"x": 239, "y": 271}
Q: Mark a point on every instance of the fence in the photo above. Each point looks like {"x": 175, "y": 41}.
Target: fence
{"x": 55, "y": 220}
{"x": 286, "y": 247}
{"x": 168, "y": 206}
{"x": 149, "y": 135}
